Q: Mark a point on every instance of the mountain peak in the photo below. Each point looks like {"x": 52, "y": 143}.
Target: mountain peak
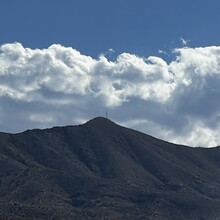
{"x": 103, "y": 169}
{"x": 100, "y": 121}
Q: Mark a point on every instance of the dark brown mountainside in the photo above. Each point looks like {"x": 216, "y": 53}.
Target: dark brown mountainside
{"x": 101, "y": 170}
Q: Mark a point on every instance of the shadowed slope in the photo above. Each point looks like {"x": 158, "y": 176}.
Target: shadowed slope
{"x": 102, "y": 169}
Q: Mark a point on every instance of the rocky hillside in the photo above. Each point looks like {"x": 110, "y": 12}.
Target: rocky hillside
{"x": 101, "y": 170}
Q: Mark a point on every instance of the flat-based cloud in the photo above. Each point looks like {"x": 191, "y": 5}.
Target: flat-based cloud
{"x": 176, "y": 101}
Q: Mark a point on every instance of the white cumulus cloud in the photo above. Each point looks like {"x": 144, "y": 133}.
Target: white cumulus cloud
{"x": 176, "y": 101}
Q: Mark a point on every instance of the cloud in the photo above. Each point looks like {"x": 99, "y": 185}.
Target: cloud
{"x": 162, "y": 52}
{"x": 176, "y": 101}
{"x": 184, "y": 42}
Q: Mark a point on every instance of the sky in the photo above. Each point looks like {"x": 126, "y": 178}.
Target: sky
{"x": 153, "y": 66}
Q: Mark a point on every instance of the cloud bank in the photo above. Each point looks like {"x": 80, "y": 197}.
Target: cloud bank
{"x": 176, "y": 101}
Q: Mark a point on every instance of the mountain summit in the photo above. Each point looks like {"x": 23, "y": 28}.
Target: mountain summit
{"x": 100, "y": 170}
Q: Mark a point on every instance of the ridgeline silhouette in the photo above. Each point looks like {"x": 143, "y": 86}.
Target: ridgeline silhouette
{"x": 101, "y": 170}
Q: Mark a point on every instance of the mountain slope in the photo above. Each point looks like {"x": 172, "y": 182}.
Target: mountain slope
{"x": 101, "y": 170}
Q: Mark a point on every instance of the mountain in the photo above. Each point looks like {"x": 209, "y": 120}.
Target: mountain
{"x": 100, "y": 170}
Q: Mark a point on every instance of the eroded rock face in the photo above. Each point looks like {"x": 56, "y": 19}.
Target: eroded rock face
{"x": 101, "y": 170}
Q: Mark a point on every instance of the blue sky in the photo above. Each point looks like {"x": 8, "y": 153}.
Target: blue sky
{"x": 141, "y": 27}
{"x": 154, "y": 65}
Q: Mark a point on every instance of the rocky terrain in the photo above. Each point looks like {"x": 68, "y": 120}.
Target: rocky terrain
{"x": 100, "y": 170}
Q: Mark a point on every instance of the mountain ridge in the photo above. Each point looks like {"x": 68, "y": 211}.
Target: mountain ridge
{"x": 101, "y": 169}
